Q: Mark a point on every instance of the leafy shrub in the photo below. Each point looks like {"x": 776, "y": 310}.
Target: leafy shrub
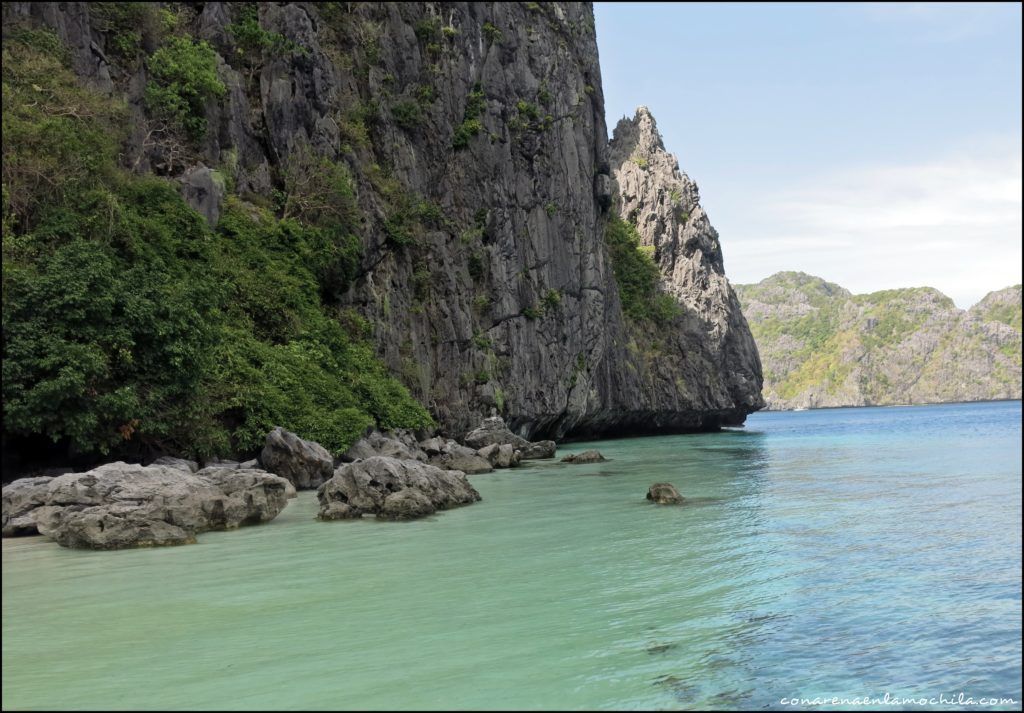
{"x": 183, "y": 78}
{"x": 252, "y": 42}
{"x": 58, "y": 138}
{"x": 492, "y": 33}
{"x": 471, "y": 125}
{"x": 551, "y": 300}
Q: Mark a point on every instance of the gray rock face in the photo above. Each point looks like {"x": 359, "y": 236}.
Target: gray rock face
{"x": 18, "y": 500}
{"x": 305, "y": 463}
{"x": 203, "y": 189}
{"x": 500, "y": 456}
{"x": 590, "y": 456}
{"x": 188, "y": 466}
{"x": 394, "y": 444}
{"x": 121, "y": 505}
{"x": 376, "y": 486}
{"x": 664, "y": 494}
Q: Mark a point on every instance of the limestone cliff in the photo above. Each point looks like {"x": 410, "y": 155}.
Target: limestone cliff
{"x": 475, "y": 137}
{"x": 823, "y": 346}
{"x": 664, "y": 204}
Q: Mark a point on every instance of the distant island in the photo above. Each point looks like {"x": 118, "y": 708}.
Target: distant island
{"x": 822, "y": 346}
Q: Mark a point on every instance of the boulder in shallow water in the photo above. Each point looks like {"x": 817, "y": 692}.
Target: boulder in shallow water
{"x": 305, "y": 463}
{"x": 365, "y": 487}
{"x": 19, "y": 500}
{"x": 590, "y": 456}
{"x": 537, "y": 450}
{"x": 121, "y": 505}
{"x": 664, "y": 494}
{"x": 251, "y": 496}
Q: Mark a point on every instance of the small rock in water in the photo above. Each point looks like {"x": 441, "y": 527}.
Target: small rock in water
{"x": 664, "y": 494}
{"x": 591, "y": 456}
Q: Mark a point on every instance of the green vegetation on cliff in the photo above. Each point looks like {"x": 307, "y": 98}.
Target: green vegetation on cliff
{"x": 822, "y": 346}
{"x": 129, "y": 324}
{"x": 637, "y": 275}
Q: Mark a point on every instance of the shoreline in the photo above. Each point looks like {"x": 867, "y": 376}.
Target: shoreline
{"x": 926, "y": 403}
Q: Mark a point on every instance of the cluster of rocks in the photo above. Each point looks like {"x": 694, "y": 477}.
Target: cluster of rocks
{"x": 392, "y": 475}
{"x": 491, "y": 445}
{"x": 395, "y": 476}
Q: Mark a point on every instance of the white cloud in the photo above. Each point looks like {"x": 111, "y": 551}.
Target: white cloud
{"x": 953, "y": 223}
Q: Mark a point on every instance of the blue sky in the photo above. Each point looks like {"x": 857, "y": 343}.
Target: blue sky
{"x": 874, "y": 145}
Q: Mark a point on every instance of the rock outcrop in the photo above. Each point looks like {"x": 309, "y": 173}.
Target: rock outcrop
{"x": 664, "y": 494}
{"x": 304, "y": 463}
{"x": 823, "y": 346}
{"x": 392, "y": 489}
{"x": 721, "y": 370}
{"x": 488, "y": 285}
{"x": 121, "y": 505}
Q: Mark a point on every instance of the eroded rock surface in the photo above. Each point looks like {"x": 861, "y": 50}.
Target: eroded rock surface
{"x": 19, "y": 499}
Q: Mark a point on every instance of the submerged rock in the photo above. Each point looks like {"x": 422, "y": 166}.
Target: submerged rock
{"x": 664, "y": 494}
{"x": 19, "y": 500}
{"x": 590, "y": 456}
{"x": 122, "y": 505}
{"x": 305, "y": 463}
{"x": 369, "y": 487}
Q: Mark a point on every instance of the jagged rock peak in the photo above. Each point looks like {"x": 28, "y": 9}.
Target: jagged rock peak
{"x": 663, "y": 204}
{"x": 639, "y": 133}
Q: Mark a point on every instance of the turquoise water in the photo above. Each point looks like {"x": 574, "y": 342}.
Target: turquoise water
{"x": 851, "y": 552}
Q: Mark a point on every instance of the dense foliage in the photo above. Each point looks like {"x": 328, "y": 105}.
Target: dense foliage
{"x": 129, "y": 324}
{"x": 637, "y": 275}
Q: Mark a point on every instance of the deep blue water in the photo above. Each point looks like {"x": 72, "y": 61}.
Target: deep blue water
{"x": 830, "y": 553}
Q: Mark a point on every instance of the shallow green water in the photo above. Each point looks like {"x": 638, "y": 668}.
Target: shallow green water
{"x": 847, "y": 552}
